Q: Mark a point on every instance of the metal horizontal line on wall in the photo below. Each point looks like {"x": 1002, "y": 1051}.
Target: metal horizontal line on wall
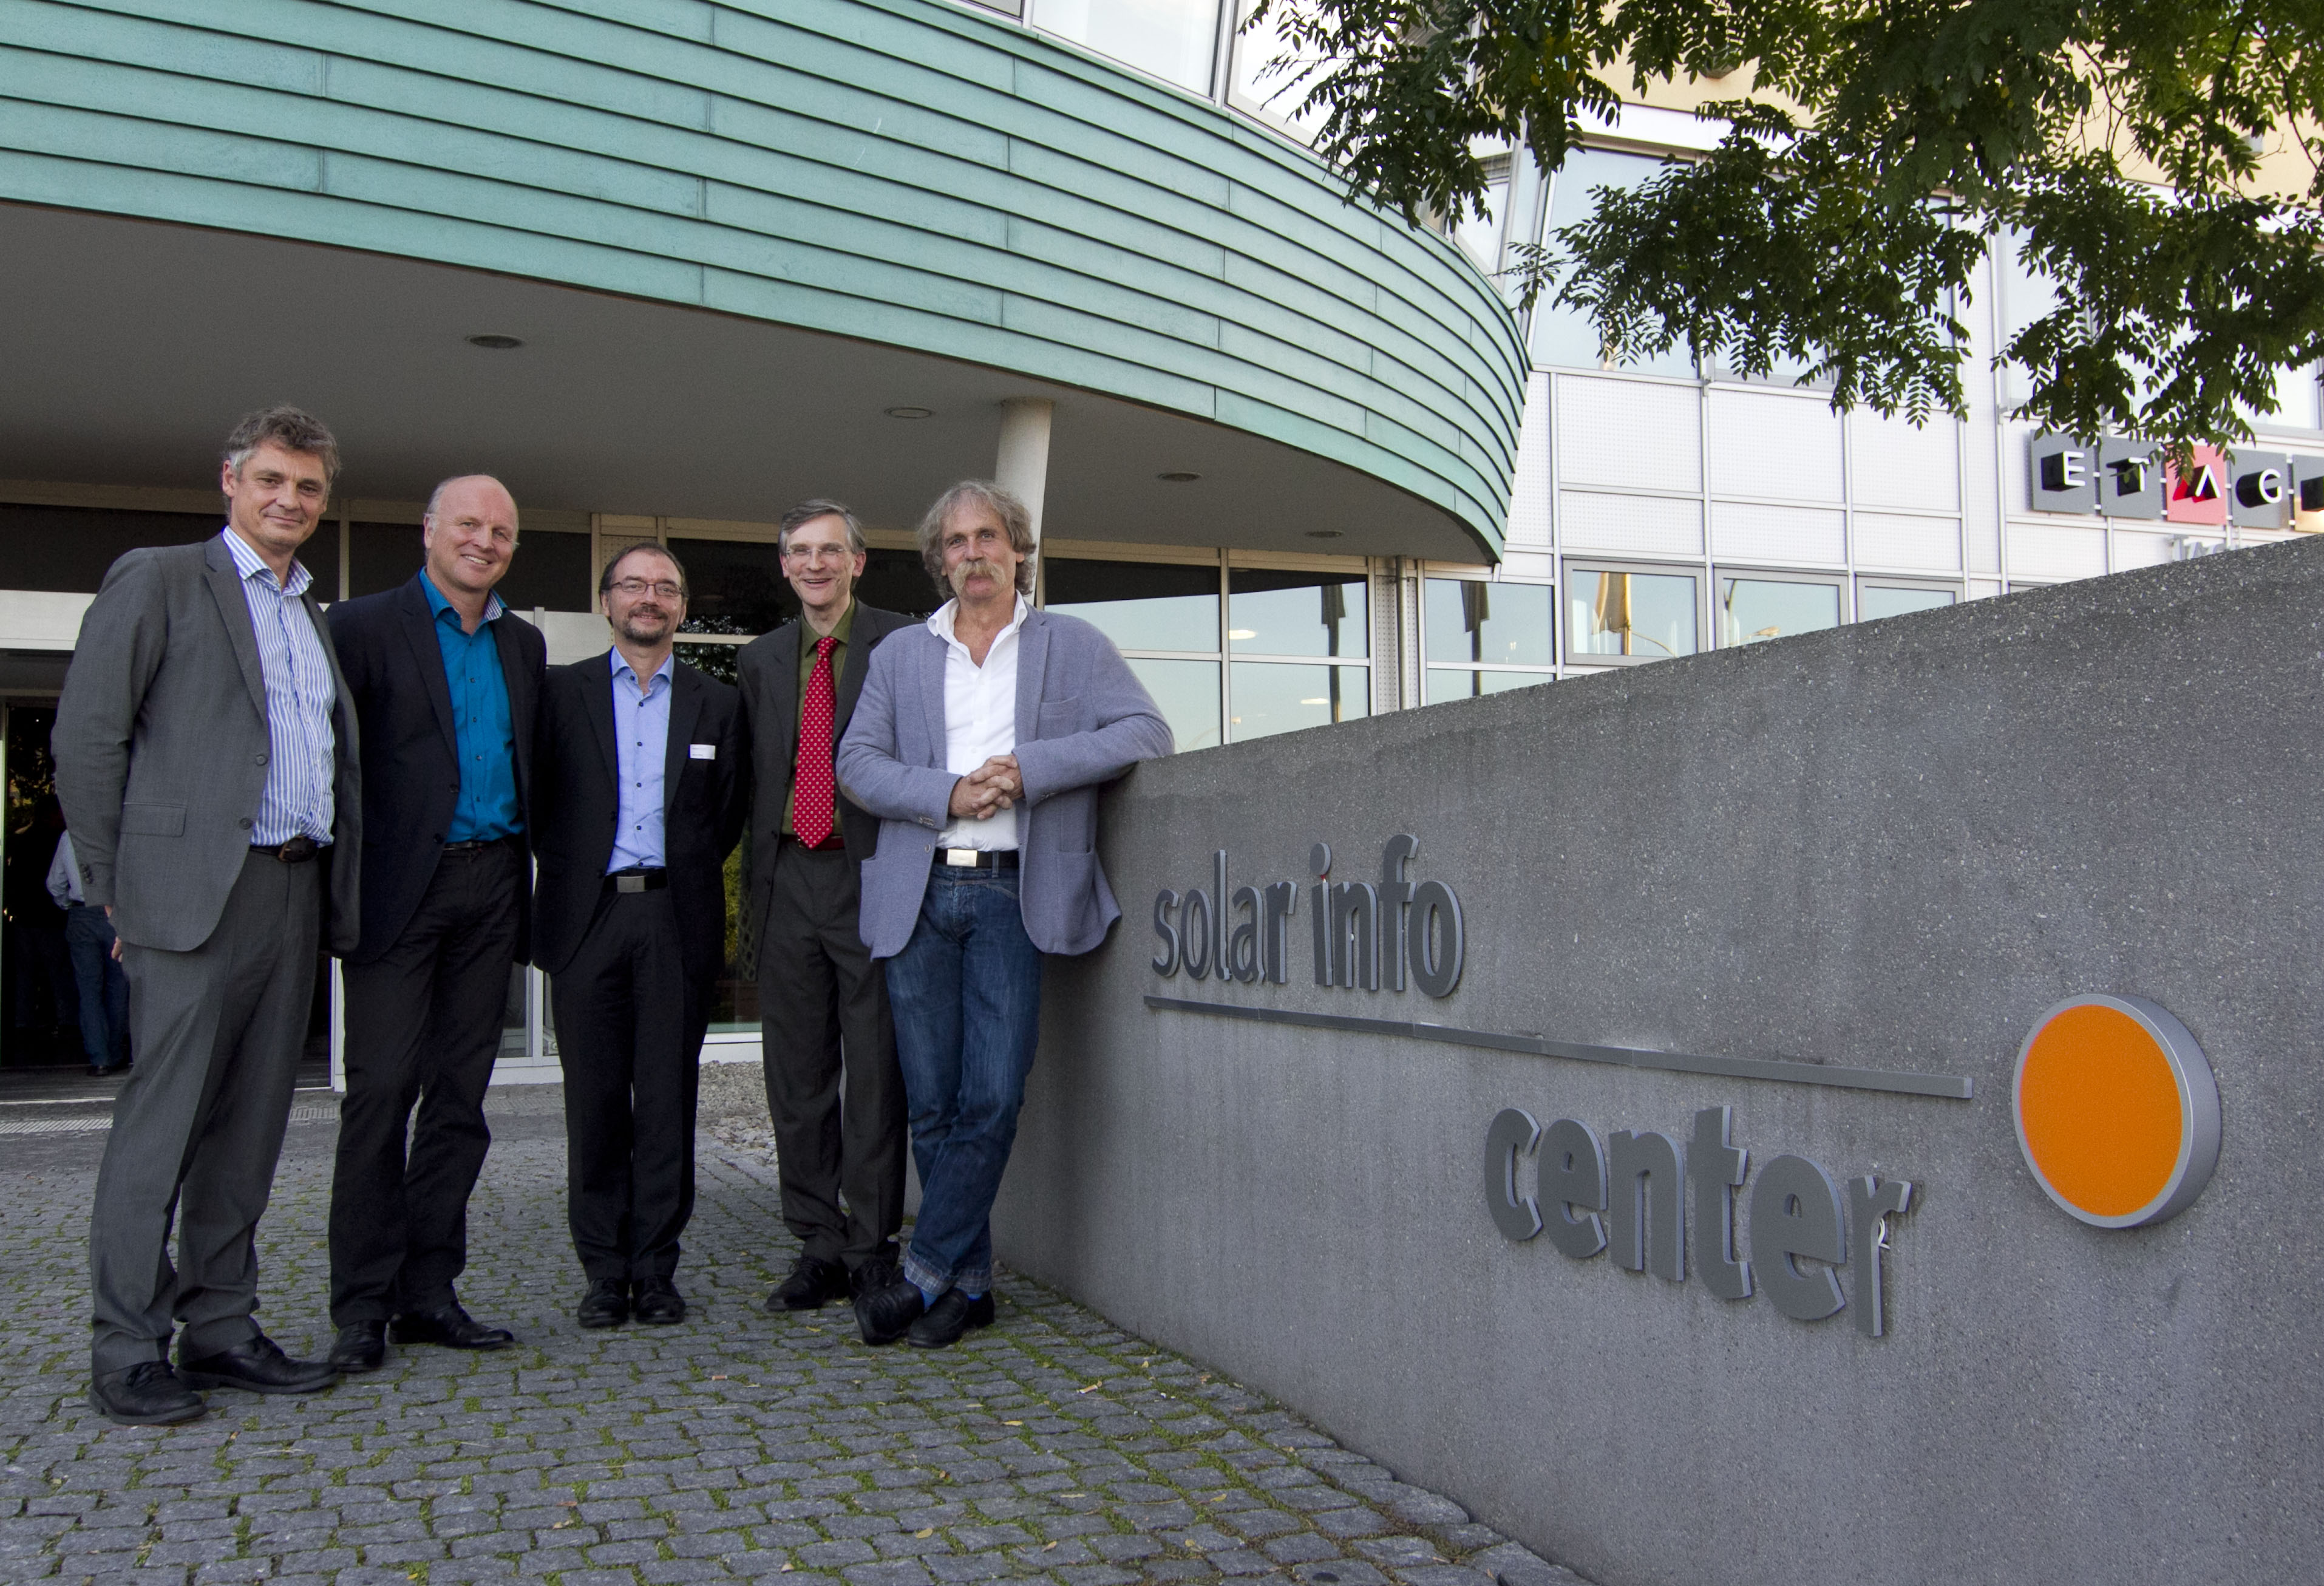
{"x": 1952, "y": 1087}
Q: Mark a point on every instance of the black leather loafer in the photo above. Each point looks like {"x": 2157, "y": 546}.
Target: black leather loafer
{"x": 361, "y": 1346}
{"x": 453, "y": 1328}
{"x": 814, "y": 1282}
{"x": 657, "y": 1303}
{"x": 147, "y": 1393}
{"x": 884, "y": 1315}
{"x": 257, "y": 1365}
{"x": 606, "y": 1304}
{"x": 952, "y": 1314}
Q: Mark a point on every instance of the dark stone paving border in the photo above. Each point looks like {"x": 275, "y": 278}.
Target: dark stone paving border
{"x": 1050, "y": 1447}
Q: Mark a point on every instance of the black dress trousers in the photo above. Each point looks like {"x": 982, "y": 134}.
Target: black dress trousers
{"x": 423, "y": 1026}
{"x": 629, "y": 1036}
{"x": 834, "y": 1088}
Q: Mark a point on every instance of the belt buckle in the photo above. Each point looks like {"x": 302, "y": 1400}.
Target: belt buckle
{"x": 961, "y": 858}
{"x": 628, "y": 883}
{"x": 296, "y": 851}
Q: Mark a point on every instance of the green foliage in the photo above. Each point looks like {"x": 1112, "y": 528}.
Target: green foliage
{"x": 1883, "y": 148}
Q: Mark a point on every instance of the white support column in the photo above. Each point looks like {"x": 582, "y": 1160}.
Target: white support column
{"x": 1022, "y": 467}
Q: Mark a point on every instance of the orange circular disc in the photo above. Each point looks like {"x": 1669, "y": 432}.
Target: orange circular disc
{"x": 2116, "y": 1110}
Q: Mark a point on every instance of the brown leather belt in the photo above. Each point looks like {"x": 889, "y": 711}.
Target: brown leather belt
{"x": 298, "y": 850}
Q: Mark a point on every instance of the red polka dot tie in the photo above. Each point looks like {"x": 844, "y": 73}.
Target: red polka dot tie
{"x": 812, "y": 785}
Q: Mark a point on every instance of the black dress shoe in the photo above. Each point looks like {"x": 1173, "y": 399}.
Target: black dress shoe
{"x": 361, "y": 1346}
{"x": 884, "y": 1315}
{"x": 453, "y": 1328}
{"x": 607, "y": 1302}
{"x": 257, "y": 1365}
{"x": 813, "y": 1282}
{"x": 952, "y": 1314}
{"x": 657, "y": 1303}
{"x": 877, "y": 1273}
{"x": 147, "y": 1393}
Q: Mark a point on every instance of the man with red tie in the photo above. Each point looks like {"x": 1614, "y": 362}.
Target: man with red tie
{"x": 832, "y": 1086}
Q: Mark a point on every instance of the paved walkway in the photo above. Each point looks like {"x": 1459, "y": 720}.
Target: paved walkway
{"x": 1051, "y": 1446}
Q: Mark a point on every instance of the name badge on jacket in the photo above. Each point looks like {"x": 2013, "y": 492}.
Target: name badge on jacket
{"x": 702, "y": 751}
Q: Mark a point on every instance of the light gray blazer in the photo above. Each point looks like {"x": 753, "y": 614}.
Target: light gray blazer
{"x": 1083, "y": 719}
{"x": 161, "y": 746}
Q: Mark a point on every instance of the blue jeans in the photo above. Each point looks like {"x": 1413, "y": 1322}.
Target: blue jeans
{"x": 966, "y": 993}
{"x": 103, "y": 989}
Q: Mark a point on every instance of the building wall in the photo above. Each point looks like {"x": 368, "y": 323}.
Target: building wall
{"x": 1889, "y": 847}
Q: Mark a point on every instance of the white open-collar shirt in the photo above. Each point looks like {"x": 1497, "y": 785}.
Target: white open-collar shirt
{"x": 980, "y": 719}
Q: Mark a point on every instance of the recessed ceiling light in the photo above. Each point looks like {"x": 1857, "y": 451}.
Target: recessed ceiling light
{"x": 495, "y": 343}
{"x": 1323, "y": 534}
{"x": 911, "y": 412}
{"x": 1179, "y": 476}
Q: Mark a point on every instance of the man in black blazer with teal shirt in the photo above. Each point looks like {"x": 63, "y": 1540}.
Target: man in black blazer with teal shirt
{"x": 833, "y": 1091}
{"x": 446, "y": 682}
{"x": 641, "y": 783}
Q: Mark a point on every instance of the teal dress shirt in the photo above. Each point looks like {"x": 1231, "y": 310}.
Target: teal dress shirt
{"x": 481, "y": 721}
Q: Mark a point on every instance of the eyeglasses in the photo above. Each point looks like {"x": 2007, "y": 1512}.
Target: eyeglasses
{"x": 632, "y": 588}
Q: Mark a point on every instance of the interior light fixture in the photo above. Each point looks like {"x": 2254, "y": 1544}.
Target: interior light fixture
{"x": 1178, "y": 477}
{"x": 496, "y": 343}
{"x": 1323, "y": 534}
{"x": 1239, "y": 634}
{"x": 911, "y": 412}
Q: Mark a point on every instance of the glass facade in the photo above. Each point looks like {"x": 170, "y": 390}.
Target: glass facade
{"x": 1176, "y": 40}
{"x": 1636, "y": 617}
{"x": 1875, "y": 601}
{"x": 1752, "y": 611}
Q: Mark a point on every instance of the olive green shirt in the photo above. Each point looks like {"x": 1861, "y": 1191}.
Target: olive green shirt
{"x": 807, "y": 637}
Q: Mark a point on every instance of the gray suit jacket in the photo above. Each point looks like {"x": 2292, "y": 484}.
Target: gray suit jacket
{"x": 1083, "y": 719}
{"x": 161, "y": 746}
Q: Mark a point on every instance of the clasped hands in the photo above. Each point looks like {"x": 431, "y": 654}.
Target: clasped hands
{"x": 988, "y": 789}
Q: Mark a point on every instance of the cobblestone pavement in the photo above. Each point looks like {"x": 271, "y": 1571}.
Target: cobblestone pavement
{"x": 1051, "y": 1446}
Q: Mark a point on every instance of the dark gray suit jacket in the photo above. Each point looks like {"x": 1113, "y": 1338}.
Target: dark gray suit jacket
{"x": 161, "y": 743}
{"x": 769, "y": 667}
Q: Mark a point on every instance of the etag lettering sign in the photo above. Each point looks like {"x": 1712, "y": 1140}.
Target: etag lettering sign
{"x": 2134, "y": 480}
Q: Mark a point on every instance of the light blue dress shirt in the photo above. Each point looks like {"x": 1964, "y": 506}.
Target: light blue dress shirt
{"x": 482, "y": 726}
{"x": 297, "y": 799}
{"x": 641, "y": 744}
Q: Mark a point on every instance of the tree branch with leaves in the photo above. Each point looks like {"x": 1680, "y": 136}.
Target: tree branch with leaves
{"x": 2132, "y": 152}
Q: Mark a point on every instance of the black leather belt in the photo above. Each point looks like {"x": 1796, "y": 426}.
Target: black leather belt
{"x": 638, "y": 881}
{"x": 831, "y": 845}
{"x": 298, "y": 850}
{"x": 475, "y": 844}
{"x": 987, "y": 859}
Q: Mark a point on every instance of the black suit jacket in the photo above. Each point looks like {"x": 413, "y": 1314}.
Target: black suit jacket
{"x": 574, "y": 808}
{"x": 770, "y": 667}
{"x": 394, "y": 668}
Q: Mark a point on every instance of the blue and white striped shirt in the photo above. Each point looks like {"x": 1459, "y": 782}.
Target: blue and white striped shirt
{"x": 296, "y": 798}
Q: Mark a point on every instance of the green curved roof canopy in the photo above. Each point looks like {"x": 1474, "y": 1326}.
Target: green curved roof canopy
{"x": 895, "y": 170}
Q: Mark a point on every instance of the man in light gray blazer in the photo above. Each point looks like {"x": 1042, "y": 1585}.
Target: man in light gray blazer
{"x": 206, "y": 757}
{"x": 980, "y": 741}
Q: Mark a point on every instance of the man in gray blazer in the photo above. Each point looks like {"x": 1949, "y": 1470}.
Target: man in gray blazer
{"x": 205, "y": 757}
{"x": 980, "y": 742}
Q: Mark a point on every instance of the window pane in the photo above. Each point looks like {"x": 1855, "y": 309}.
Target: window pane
{"x": 1645, "y": 614}
{"x": 2296, "y": 399}
{"x": 1566, "y": 335}
{"x": 70, "y": 547}
{"x": 1270, "y": 699}
{"x": 1271, "y": 613}
{"x": 1257, "y": 88}
{"x": 1479, "y": 237}
{"x": 1471, "y": 621}
{"x": 733, "y": 1000}
{"x": 551, "y": 571}
{"x": 1188, "y": 692}
{"x": 1875, "y": 601}
{"x": 734, "y": 585}
{"x": 513, "y": 1023}
{"x": 381, "y": 555}
{"x": 893, "y": 580}
{"x": 1752, "y": 611}
{"x": 1172, "y": 39}
{"x": 1141, "y": 605}
{"x": 1444, "y": 685}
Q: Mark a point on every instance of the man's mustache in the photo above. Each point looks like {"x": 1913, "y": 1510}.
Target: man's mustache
{"x": 969, "y": 569}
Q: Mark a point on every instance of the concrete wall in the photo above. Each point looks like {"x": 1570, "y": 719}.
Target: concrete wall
{"x": 1891, "y": 847}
